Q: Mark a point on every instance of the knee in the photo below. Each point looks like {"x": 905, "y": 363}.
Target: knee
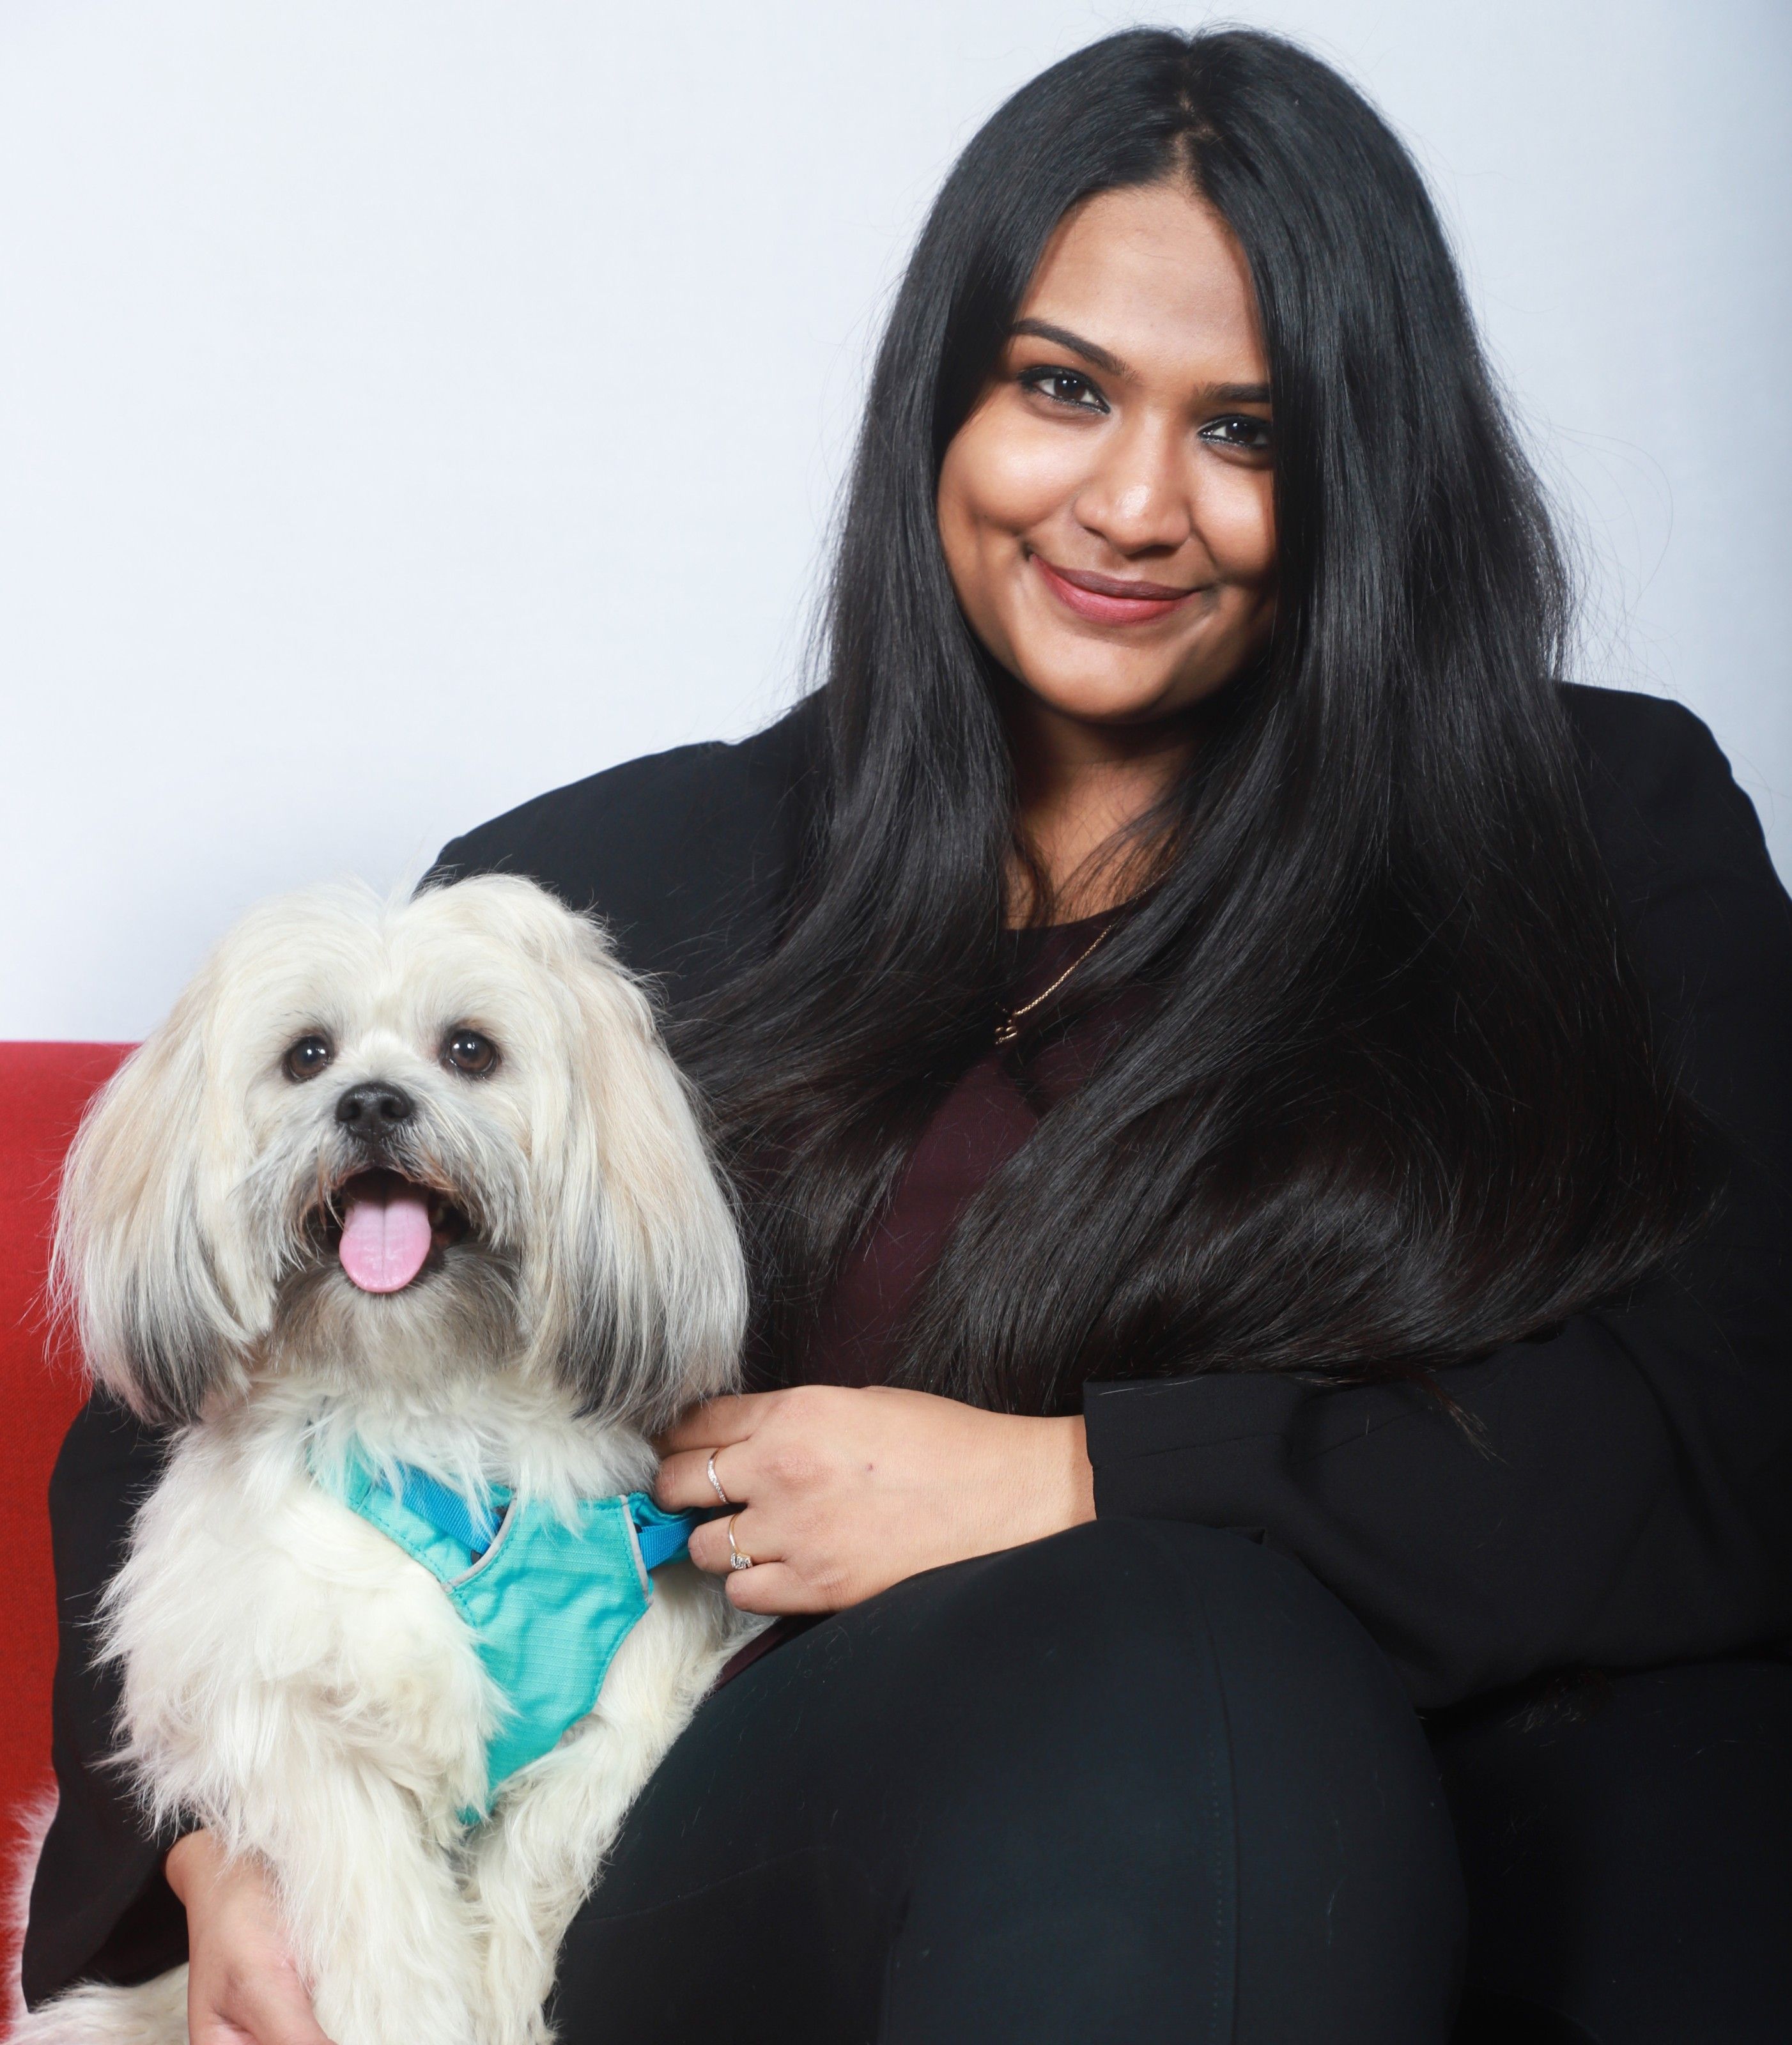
{"x": 1349, "y": 1890}
{"x": 1125, "y": 1622}
{"x": 1126, "y": 1607}
{"x": 1349, "y": 1885}
{"x": 1187, "y": 1691}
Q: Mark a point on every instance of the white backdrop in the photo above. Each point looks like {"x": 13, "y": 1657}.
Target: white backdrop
{"x": 406, "y": 405}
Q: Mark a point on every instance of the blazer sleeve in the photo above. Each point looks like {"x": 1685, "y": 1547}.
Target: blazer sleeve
{"x": 1633, "y": 1506}
{"x": 100, "y": 1909}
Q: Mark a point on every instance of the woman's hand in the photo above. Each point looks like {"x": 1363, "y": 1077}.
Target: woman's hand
{"x": 843, "y": 1492}
{"x": 243, "y": 1985}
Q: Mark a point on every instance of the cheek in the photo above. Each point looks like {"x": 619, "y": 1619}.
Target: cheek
{"x": 517, "y": 1137}
{"x": 999, "y": 480}
{"x": 278, "y": 1119}
{"x": 1237, "y": 524}
{"x": 503, "y": 1119}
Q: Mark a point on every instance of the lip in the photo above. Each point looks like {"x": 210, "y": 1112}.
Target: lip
{"x": 1110, "y": 600}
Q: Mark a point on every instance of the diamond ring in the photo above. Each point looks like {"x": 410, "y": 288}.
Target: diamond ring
{"x": 715, "y": 1482}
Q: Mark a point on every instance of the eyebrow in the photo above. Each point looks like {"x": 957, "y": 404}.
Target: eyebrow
{"x": 1218, "y": 394}
{"x": 1088, "y": 350}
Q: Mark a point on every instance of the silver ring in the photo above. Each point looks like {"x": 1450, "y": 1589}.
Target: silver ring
{"x": 736, "y": 1559}
{"x": 714, "y": 1481}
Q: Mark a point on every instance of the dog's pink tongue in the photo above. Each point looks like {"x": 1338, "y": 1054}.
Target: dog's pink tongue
{"x": 385, "y": 1238}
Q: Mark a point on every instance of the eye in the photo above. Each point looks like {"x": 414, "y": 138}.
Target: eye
{"x": 1069, "y": 387}
{"x": 469, "y": 1052}
{"x": 1251, "y": 435}
{"x": 306, "y": 1058}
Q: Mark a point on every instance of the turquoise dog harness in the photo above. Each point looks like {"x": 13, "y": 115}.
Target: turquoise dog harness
{"x": 548, "y": 1603}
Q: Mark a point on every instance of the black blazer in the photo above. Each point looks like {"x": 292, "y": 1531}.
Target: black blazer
{"x": 1636, "y": 1509}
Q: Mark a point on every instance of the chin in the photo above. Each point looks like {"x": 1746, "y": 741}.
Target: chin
{"x": 409, "y": 1187}
{"x": 1121, "y": 676}
{"x": 1123, "y": 687}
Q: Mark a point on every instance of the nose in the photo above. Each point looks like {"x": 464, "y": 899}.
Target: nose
{"x": 1138, "y": 499}
{"x": 373, "y": 1108}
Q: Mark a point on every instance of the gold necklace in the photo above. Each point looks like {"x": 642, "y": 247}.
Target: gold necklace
{"x": 1008, "y": 1029}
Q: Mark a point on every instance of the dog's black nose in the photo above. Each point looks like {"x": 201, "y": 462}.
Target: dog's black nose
{"x": 373, "y": 1108}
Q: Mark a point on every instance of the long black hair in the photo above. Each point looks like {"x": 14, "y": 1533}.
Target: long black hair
{"x": 1394, "y": 1099}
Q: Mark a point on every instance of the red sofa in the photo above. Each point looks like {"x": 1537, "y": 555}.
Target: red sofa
{"x": 43, "y": 1089}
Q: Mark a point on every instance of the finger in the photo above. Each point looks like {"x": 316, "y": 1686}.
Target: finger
{"x": 773, "y": 1586}
{"x": 709, "y": 1542}
{"x": 684, "y": 1480}
{"x": 717, "y": 1421}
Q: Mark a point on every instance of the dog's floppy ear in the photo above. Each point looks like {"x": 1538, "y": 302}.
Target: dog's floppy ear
{"x": 136, "y": 1268}
{"x": 638, "y": 1277}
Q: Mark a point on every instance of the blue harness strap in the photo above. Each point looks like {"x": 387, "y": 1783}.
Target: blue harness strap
{"x": 662, "y": 1536}
{"x": 549, "y": 1603}
{"x": 473, "y": 1527}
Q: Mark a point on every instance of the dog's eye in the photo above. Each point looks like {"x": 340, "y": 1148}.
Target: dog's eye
{"x": 469, "y": 1052}
{"x": 307, "y": 1058}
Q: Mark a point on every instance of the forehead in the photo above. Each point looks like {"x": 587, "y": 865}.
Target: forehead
{"x": 1155, "y": 276}
{"x": 349, "y": 963}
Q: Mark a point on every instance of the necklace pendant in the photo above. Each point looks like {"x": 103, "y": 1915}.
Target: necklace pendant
{"x": 1009, "y": 1027}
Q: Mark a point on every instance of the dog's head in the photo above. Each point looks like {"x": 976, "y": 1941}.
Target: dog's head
{"x": 375, "y": 1139}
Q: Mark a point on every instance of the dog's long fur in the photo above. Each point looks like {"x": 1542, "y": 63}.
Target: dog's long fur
{"x": 292, "y": 1680}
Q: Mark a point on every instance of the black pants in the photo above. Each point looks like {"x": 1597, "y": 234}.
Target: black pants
{"x": 1629, "y": 1862}
{"x": 1142, "y": 1782}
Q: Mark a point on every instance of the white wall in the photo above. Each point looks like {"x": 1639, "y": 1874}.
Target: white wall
{"x": 406, "y": 405}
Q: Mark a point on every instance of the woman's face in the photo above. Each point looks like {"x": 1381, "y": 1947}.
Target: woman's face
{"x": 1106, "y": 510}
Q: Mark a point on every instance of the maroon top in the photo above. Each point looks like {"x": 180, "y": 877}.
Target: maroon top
{"x": 980, "y": 1125}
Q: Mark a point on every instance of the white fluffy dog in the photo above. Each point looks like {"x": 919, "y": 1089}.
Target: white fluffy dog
{"x": 402, "y": 1192}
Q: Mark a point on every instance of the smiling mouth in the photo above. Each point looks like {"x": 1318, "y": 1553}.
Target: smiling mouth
{"x": 1110, "y": 600}
{"x": 384, "y": 1228}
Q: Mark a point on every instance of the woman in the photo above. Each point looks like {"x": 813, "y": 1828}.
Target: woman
{"x": 1263, "y": 1126}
